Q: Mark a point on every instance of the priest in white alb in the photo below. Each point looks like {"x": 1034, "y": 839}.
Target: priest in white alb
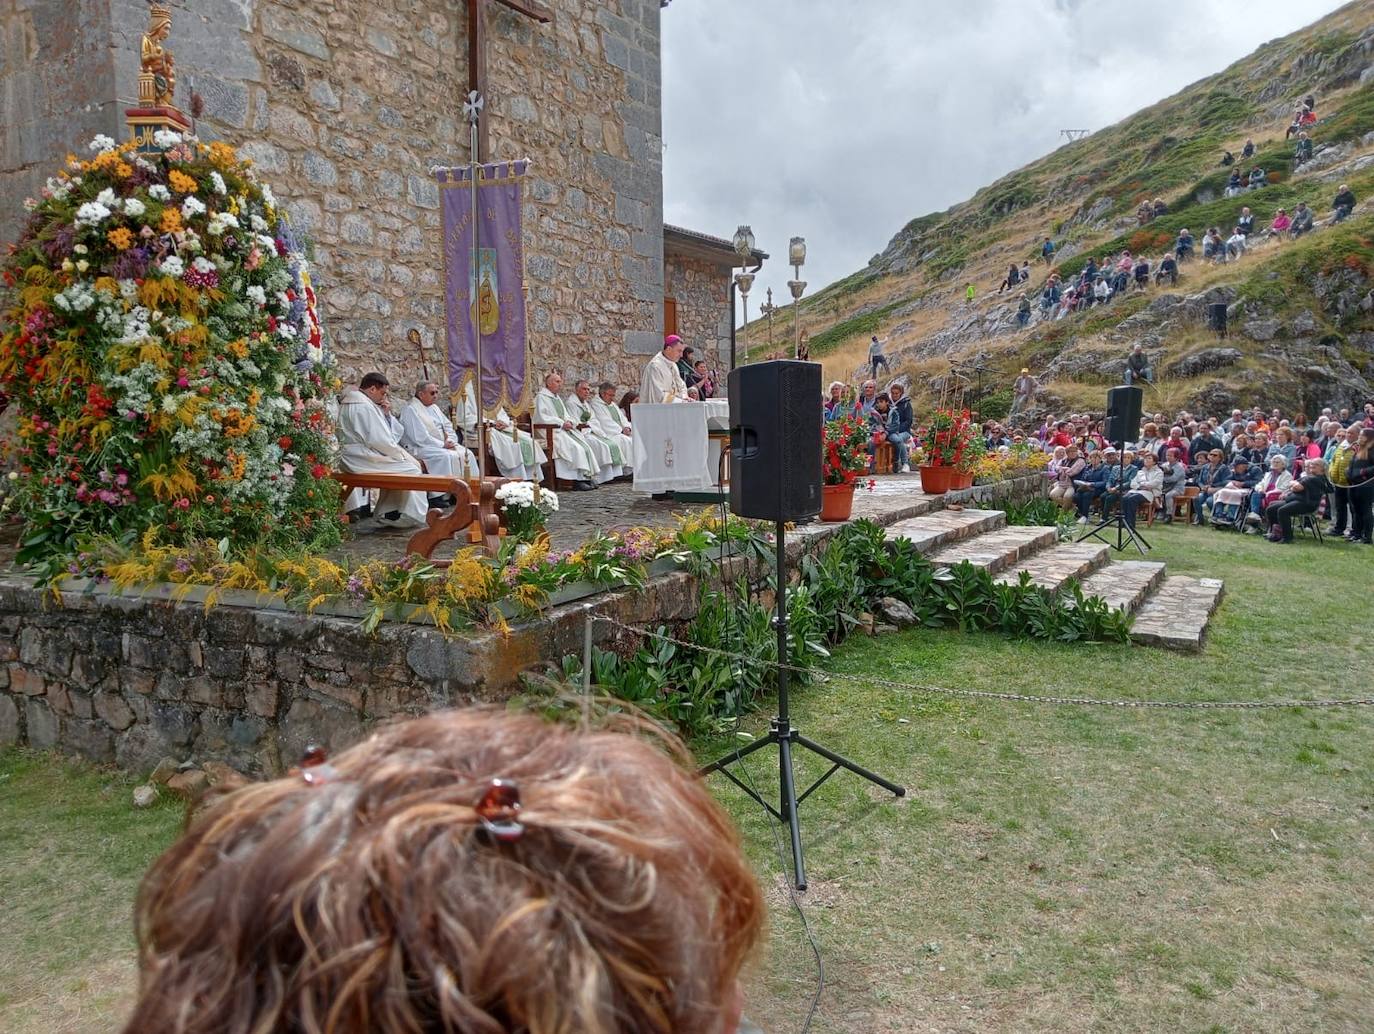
{"x": 662, "y": 381}
{"x": 429, "y": 436}
{"x": 584, "y": 415}
{"x": 610, "y": 423}
{"x": 369, "y": 443}
{"x": 517, "y": 455}
{"x": 576, "y": 457}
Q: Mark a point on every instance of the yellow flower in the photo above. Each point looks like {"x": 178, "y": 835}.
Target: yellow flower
{"x": 180, "y": 182}
{"x": 222, "y": 154}
{"x": 123, "y": 170}
{"x": 238, "y": 348}
{"x": 171, "y": 220}
{"x": 121, "y": 237}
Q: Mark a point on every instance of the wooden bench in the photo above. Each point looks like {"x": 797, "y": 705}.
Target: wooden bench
{"x": 478, "y": 517}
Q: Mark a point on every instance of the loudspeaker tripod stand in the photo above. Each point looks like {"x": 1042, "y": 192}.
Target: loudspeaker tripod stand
{"x": 1124, "y": 532}
{"x": 781, "y": 732}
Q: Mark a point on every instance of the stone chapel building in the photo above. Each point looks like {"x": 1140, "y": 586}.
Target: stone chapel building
{"x": 344, "y": 106}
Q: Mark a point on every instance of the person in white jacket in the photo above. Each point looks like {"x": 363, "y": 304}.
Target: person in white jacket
{"x": 1147, "y": 488}
{"x": 369, "y": 443}
{"x": 429, "y": 436}
{"x": 577, "y": 457}
{"x": 518, "y": 456}
{"x": 610, "y": 422}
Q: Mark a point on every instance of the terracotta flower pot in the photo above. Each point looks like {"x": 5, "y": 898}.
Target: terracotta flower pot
{"x": 941, "y": 479}
{"x": 837, "y": 502}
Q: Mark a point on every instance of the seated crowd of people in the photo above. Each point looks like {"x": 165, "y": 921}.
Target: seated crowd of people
{"x": 1256, "y": 472}
{"x": 888, "y": 413}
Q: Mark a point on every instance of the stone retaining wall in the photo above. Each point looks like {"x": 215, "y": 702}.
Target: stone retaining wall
{"x": 134, "y": 679}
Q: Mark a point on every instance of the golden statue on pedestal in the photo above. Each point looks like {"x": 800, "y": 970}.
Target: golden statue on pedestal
{"x": 157, "y": 81}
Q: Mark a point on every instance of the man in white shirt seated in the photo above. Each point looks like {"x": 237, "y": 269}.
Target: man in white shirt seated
{"x": 428, "y": 435}
{"x": 517, "y": 455}
{"x": 580, "y": 404}
{"x": 610, "y": 422}
{"x": 577, "y": 457}
{"x": 369, "y": 443}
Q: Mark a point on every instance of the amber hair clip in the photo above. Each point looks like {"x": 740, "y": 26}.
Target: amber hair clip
{"x": 498, "y": 809}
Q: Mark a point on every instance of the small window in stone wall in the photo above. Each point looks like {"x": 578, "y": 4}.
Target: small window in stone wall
{"x": 669, "y": 316}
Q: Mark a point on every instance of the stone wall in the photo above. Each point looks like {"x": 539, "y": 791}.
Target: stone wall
{"x": 345, "y": 106}
{"x": 56, "y": 93}
{"x": 133, "y": 680}
{"x": 702, "y": 293}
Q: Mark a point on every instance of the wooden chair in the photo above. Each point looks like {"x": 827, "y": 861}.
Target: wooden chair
{"x": 884, "y": 458}
{"x": 1186, "y": 502}
{"x": 525, "y": 422}
{"x": 478, "y": 517}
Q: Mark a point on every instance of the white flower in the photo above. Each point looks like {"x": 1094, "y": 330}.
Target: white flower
{"x": 258, "y": 223}
{"x": 170, "y": 403}
{"x": 221, "y": 221}
{"x": 14, "y": 475}
{"x": 218, "y": 182}
{"x": 100, "y": 143}
{"x": 134, "y": 207}
{"x": 268, "y": 242}
{"x": 286, "y": 330}
{"x": 202, "y": 265}
{"x": 128, "y": 290}
{"x": 81, "y": 249}
{"x": 30, "y": 203}
{"x": 158, "y": 192}
{"x": 267, "y": 196}
{"x": 172, "y": 266}
{"x": 92, "y": 213}
{"x": 82, "y": 266}
{"x": 256, "y": 295}
{"x": 192, "y": 206}
{"x": 165, "y": 138}
{"x": 107, "y": 198}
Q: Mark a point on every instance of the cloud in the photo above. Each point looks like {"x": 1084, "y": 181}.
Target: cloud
{"x": 840, "y": 122}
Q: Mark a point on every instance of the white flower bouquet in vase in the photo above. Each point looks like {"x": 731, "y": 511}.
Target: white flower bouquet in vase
{"x": 527, "y": 508}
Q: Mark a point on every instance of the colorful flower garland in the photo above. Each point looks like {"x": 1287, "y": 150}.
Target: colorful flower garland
{"x": 161, "y": 341}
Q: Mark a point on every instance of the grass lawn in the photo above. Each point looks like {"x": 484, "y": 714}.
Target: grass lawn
{"x": 1067, "y": 868}
{"x": 1055, "y": 869}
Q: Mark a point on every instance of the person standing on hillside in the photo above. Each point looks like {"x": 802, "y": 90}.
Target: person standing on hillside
{"x": 968, "y": 293}
{"x": 876, "y": 358}
{"x": 1047, "y": 252}
{"x": 1303, "y": 152}
{"x": 1023, "y": 390}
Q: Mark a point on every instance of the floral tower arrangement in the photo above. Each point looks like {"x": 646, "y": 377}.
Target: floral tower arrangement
{"x": 160, "y": 340}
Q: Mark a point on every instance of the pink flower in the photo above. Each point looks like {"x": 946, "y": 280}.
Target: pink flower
{"x": 182, "y": 382}
{"x": 121, "y": 479}
{"x": 182, "y": 504}
{"x": 288, "y": 469}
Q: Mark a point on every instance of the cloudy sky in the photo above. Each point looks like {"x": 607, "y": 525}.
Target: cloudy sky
{"x": 839, "y": 120}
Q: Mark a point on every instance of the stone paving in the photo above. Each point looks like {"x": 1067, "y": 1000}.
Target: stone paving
{"x": 1125, "y": 584}
{"x": 1176, "y": 615}
{"x": 997, "y": 550}
{"x": 1051, "y": 568}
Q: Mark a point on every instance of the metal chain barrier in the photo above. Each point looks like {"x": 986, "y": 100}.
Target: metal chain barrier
{"x": 974, "y": 694}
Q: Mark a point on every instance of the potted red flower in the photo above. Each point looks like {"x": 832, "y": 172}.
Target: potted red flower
{"x": 952, "y": 447}
{"x": 844, "y": 459}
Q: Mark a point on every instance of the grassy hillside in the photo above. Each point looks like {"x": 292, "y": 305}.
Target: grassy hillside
{"x": 1084, "y": 195}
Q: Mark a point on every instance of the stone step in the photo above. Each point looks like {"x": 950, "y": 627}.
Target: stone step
{"x": 1052, "y": 567}
{"x": 944, "y": 527}
{"x": 997, "y": 550}
{"x": 1124, "y": 584}
{"x": 1176, "y": 615}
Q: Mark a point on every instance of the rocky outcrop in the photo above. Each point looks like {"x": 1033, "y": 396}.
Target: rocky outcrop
{"x": 1202, "y": 362}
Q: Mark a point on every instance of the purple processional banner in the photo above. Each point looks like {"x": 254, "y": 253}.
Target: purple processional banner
{"x": 489, "y": 294}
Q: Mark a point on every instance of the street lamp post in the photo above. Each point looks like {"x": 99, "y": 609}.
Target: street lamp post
{"x": 796, "y": 255}
{"x": 744, "y": 248}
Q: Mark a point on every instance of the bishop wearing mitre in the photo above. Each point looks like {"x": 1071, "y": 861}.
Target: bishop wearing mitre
{"x": 662, "y": 381}
{"x": 369, "y": 443}
{"x": 577, "y": 457}
{"x": 428, "y": 435}
{"x": 517, "y": 455}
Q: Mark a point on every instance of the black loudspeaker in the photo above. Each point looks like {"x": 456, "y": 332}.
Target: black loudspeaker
{"x": 775, "y": 440}
{"x": 1123, "y": 414}
{"x": 1216, "y": 318}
